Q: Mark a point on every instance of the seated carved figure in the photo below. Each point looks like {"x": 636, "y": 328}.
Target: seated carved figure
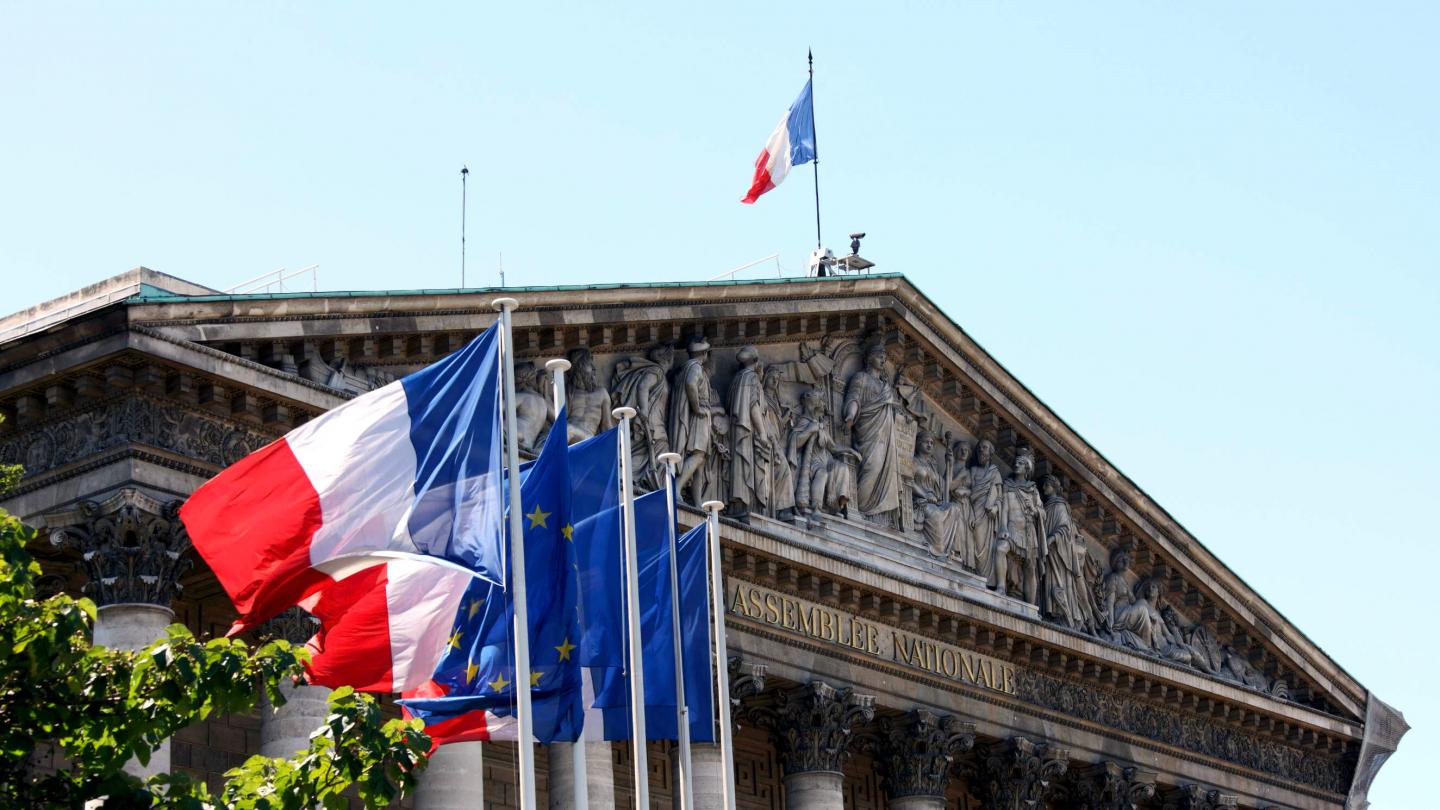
{"x": 1113, "y": 592}
{"x": 823, "y": 481}
{"x": 1138, "y": 624}
{"x": 1192, "y": 645}
{"x": 944, "y": 522}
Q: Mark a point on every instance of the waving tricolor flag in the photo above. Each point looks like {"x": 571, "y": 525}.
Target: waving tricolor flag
{"x": 791, "y": 144}
{"x": 412, "y": 468}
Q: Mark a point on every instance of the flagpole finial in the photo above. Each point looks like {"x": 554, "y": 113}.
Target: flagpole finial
{"x": 623, "y": 412}
{"x": 712, "y": 506}
{"x": 501, "y": 304}
{"x": 557, "y": 364}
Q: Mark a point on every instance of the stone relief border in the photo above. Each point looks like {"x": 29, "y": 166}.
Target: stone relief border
{"x": 1241, "y": 754}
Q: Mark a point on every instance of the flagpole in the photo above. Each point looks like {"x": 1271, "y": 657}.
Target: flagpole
{"x": 632, "y": 592}
{"x": 581, "y": 798}
{"x": 525, "y": 744}
{"x": 815, "y": 164}
{"x": 685, "y": 796}
{"x": 722, "y": 659}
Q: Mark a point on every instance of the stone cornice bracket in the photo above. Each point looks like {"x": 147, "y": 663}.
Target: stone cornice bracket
{"x": 293, "y": 625}
{"x": 1020, "y": 774}
{"x": 1111, "y": 786}
{"x": 132, "y": 547}
{"x": 918, "y": 751}
{"x": 1195, "y": 797}
{"x": 813, "y": 724}
{"x": 746, "y": 681}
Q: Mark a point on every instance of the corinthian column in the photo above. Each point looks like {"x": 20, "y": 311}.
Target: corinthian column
{"x": 812, "y": 725}
{"x": 918, "y": 751}
{"x": 130, "y": 548}
{"x": 746, "y": 681}
{"x": 1020, "y": 774}
{"x": 286, "y": 730}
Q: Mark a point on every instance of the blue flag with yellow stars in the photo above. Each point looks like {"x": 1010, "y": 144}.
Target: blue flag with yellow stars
{"x": 477, "y": 671}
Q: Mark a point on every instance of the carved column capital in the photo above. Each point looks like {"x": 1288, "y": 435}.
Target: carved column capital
{"x": 1020, "y": 773}
{"x": 918, "y": 750}
{"x": 293, "y": 625}
{"x": 131, "y": 547}
{"x": 1111, "y": 786}
{"x": 1195, "y": 797}
{"x": 813, "y": 724}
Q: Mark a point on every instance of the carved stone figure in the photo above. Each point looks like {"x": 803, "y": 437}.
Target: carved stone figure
{"x": 1022, "y": 531}
{"x": 781, "y": 417}
{"x": 1113, "y": 593}
{"x": 587, "y": 403}
{"x": 1139, "y": 624}
{"x": 642, "y": 384}
{"x": 944, "y": 522}
{"x": 824, "y": 482}
{"x": 694, "y": 410}
{"x": 532, "y": 410}
{"x": 760, "y": 477}
{"x": 1191, "y": 645}
{"x": 986, "y": 485}
{"x": 1070, "y": 574}
{"x": 871, "y": 414}
{"x": 1238, "y": 668}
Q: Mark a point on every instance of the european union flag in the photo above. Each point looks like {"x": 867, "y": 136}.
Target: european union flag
{"x": 612, "y": 688}
{"x": 477, "y": 670}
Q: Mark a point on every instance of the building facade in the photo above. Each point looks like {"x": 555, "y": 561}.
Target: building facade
{"x": 938, "y": 595}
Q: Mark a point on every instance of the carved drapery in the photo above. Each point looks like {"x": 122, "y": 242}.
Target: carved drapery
{"x": 131, "y": 548}
{"x": 1019, "y": 774}
{"x": 1111, "y": 786}
{"x": 918, "y": 751}
{"x": 813, "y": 725}
{"x": 1195, "y": 797}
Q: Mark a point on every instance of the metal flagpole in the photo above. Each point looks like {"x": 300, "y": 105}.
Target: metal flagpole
{"x": 722, "y": 660}
{"x": 557, "y": 368}
{"x": 685, "y": 796}
{"x": 632, "y": 594}
{"x": 525, "y": 733}
{"x": 464, "y": 175}
{"x": 815, "y": 164}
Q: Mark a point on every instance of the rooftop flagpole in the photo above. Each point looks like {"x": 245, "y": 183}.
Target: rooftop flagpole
{"x": 810, "y": 58}
{"x": 464, "y": 175}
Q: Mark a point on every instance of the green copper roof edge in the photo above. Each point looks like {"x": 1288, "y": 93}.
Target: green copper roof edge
{"x": 172, "y": 298}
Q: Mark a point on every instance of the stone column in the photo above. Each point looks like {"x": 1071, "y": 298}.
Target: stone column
{"x": 1111, "y": 786}
{"x": 812, "y": 725}
{"x": 746, "y": 680}
{"x": 286, "y": 730}
{"x": 1019, "y": 774}
{"x": 454, "y": 779}
{"x": 599, "y": 775}
{"x": 131, "y": 548}
{"x": 918, "y": 751}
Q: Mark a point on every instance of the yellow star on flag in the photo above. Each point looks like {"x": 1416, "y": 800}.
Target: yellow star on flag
{"x": 471, "y": 670}
{"x": 564, "y": 649}
{"x": 535, "y": 678}
{"x": 499, "y": 683}
{"x": 475, "y": 607}
{"x": 568, "y": 531}
{"x": 455, "y": 639}
{"x": 537, "y": 518}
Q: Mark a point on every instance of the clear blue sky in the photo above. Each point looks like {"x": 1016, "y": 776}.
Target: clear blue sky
{"x": 1204, "y": 233}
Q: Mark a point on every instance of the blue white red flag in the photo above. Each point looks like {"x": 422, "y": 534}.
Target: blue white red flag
{"x": 791, "y": 144}
{"x": 413, "y": 467}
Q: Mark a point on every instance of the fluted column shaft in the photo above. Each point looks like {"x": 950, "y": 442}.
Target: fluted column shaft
{"x": 454, "y": 779}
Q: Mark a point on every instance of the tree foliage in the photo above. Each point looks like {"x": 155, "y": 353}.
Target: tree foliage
{"x": 100, "y": 708}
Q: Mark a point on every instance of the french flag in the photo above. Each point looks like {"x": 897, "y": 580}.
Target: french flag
{"x": 412, "y": 468}
{"x": 791, "y": 144}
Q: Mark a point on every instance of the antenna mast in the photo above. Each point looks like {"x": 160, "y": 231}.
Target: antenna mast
{"x": 464, "y": 175}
